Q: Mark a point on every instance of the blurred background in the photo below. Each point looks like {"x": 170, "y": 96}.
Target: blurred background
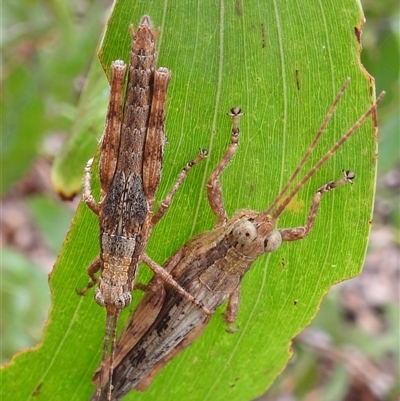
{"x": 350, "y": 352}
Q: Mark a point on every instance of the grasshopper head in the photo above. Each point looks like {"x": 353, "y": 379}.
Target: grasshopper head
{"x": 255, "y": 234}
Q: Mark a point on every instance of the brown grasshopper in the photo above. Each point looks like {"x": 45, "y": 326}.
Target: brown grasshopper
{"x": 131, "y": 158}
{"x": 211, "y": 266}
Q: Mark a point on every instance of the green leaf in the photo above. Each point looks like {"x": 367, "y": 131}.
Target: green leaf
{"x": 43, "y": 50}
{"x": 66, "y": 174}
{"x": 19, "y": 136}
{"x": 23, "y": 287}
{"x": 45, "y": 212}
{"x": 283, "y": 63}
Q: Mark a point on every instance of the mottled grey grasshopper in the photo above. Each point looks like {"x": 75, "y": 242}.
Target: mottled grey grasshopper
{"x": 211, "y": 266}
{"x": 131, "y": 158}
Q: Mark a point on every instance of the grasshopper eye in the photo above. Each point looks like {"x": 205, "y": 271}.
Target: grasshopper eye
{"x": 273, "y": 241}
{"x": 245, "y": 232}
{"x": 98, "y": 297}
{"x": 123, "y": 300}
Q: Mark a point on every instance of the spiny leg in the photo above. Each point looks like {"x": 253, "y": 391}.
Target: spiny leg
{"x": 112, "y": 353}
{"x": 111, "y": 327}
{"x": 214, "y": 191}
{"x": 232, "y": 309}
{"x": 93, "y": 268}
{"x": 165, "y": 204}
{"x": 87, "y": 190}
{"x": 294, "y": 234}
{"x": 167, "y": 278}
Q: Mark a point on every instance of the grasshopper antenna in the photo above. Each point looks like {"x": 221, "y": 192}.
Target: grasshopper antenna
{"x": 308, "y": 152}
{"x": 323, "y": 159}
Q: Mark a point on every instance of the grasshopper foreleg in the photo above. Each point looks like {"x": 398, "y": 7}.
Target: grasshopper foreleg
{"x": 87, "y": 190}
{"x": 165, "y": 204}
{"x": 296, "y": 233}
{"x": 214, "y": 191}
